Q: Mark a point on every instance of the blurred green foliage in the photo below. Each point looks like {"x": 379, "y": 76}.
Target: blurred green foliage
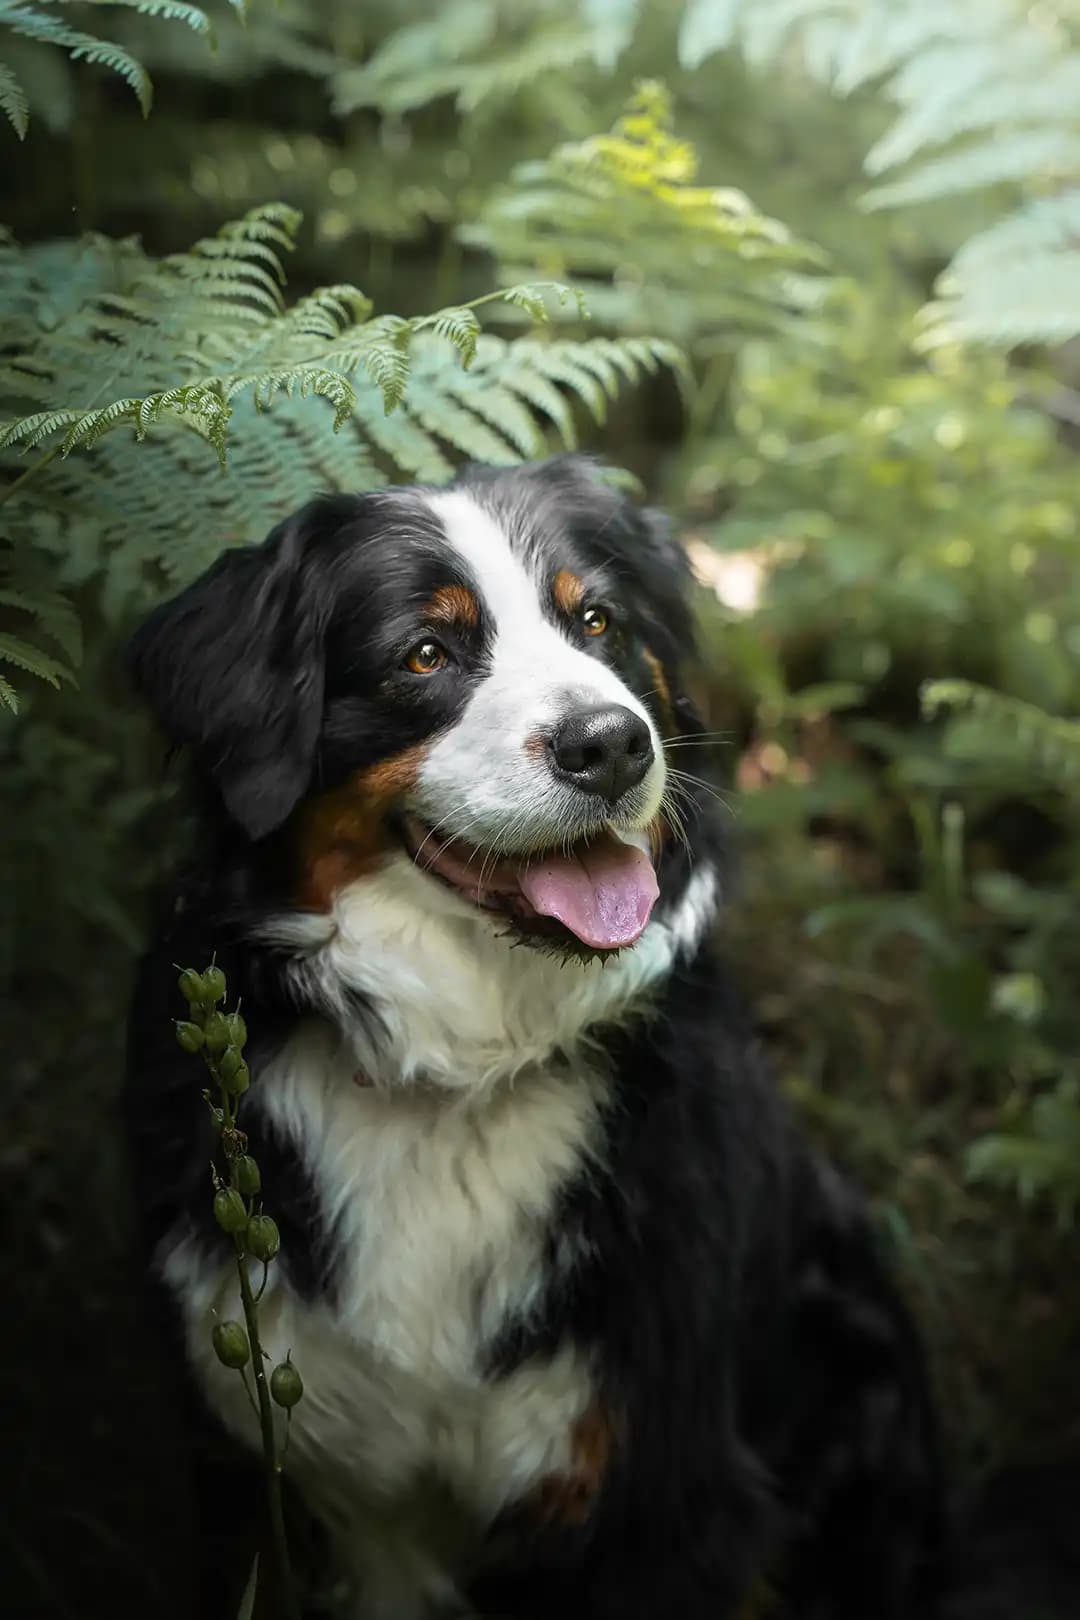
{"x": 877, "y": 485}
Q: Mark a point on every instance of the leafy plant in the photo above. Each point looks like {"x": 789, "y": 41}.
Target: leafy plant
{"x": 41, "y": 26}
{"x": 219, "y": 1039}
{"x": 648, "y": 246}
{"x": 192, "y": 351}
{"x": 987, "y": 92}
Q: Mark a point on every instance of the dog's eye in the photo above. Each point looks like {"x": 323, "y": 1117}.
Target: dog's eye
{"x": 594, "y": 621}
{"x": 425, "y": 658}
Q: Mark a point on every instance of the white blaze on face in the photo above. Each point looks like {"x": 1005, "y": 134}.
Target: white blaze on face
{"x": 486, "y": 779}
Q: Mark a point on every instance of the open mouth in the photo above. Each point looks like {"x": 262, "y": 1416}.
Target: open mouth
{"x": 602, "y": 890}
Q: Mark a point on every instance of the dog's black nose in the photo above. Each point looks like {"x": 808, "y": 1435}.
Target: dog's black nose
{"x": 604, "y": 750}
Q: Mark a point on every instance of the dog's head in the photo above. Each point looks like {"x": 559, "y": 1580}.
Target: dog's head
{"x": 478, "y": 678}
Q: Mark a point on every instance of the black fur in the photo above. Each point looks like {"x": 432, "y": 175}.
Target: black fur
{"x": 773, "y": 1430}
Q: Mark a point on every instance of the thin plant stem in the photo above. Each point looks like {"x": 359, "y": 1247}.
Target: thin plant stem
{"x": 287, "y": 1592}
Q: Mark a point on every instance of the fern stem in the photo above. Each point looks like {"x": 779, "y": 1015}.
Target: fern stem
{"x": 24, "y": 477}
{"x": 287, "y": 1605}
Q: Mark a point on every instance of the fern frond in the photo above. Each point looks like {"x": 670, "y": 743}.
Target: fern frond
{"x": 611, "y": 24}
{"x": 386, "y": 359}
{"x": 31, "y": 660}
{"x": 1040, "y": 739}
{"x": 29, "y": 431}
{"x": 46, "y": 29}
{"x": 623, "y": 218}
{"x": 1034, "y": 300}
{"x": 172, "y": 10}
{"x": 475, "y": 51}
{"x": 1053, "y": 153}
{"x": 532, "y": 297}
{"x": 986, "y": 94}
{"x": 8, "y": 696}
{"x": 13, "y": 102}
{"x": 460, "y": 327}
{"x": 707, "y": 26}
{"x": 169, "y": 358}
{"x": 54, "y": 615}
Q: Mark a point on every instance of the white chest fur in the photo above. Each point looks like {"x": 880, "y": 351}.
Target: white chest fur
{"x": 439, "y": 1183}
{"x": 439, "y": 1206}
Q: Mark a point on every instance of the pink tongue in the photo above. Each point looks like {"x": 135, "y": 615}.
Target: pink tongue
{"x": 602, "y": 893}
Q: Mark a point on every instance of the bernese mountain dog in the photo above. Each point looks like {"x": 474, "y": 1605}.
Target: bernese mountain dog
{"x": 585, "y": 1329}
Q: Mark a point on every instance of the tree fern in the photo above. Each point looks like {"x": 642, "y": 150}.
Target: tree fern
{"x": 163, "y": 360}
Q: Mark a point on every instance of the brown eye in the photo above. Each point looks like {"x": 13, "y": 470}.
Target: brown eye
{"x": 595, "y": 621}
{"x": 425, "y": 658}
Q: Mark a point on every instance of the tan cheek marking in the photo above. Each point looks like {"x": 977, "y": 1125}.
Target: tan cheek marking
{"x": 569, "y": 1497}
{"x": 568, "y": 591}
{"x": 455, "y": 606}
{"x": 660, "y": 686}
{"x": 343, "y": 834}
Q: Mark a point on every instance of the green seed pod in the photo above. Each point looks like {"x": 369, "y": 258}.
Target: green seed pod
{"x": 189, "y": 1035}
{"x": 237, "y": 1029}
{"x": 217, "y": 1032}
{"x": 230, "y": 1211}
{"x": 245, "y": 1175}
{"x": 262, "y": 1237}
{"x": 286, "y": 1385}
{"x": 213, "y": 986}
{"x": 191, "y": 986}
{"x": 231, "y": 1344}
{"x": 238, "y": 1081}
{"x": 229, "y": 1061}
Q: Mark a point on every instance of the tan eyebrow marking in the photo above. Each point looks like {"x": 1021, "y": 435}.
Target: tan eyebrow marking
{"x": 568, "y": 591}
{"x": 455, "y": 606}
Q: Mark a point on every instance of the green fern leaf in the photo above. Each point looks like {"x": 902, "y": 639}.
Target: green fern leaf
{"x": 612, "y": 24}
{"x": 53, "y": 613}
{"x": 532, "y": 298}
{"x": 386, "y": 360}
{"x": 1034, "y": 299}
{"x": 31, "y": 660}
{"x": 205, "y": 405}
{"x": 29, "y": 431}
{"x": 8, "y": 695}
{"x": 171, "y": 10}
{"x": 38, "y": 25}
{"x": 13, "y": 102}
{"x": 1050, "y": 152}
{"x": 460, "y": 327}
{"x": 1042, "y": 740}
{"x": 707, "y": 26}
{"x": 541, "y": 394}
{"x": 408, "y": 446}
{"x": 92, "y": 424}
{"x": 500, "y": 409}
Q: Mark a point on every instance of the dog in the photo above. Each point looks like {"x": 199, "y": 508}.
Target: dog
{"x": 585, "y": 1329}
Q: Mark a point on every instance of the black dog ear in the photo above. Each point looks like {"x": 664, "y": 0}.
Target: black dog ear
{"x": 669, "y": 576}
{"x": 234, "y": 667}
